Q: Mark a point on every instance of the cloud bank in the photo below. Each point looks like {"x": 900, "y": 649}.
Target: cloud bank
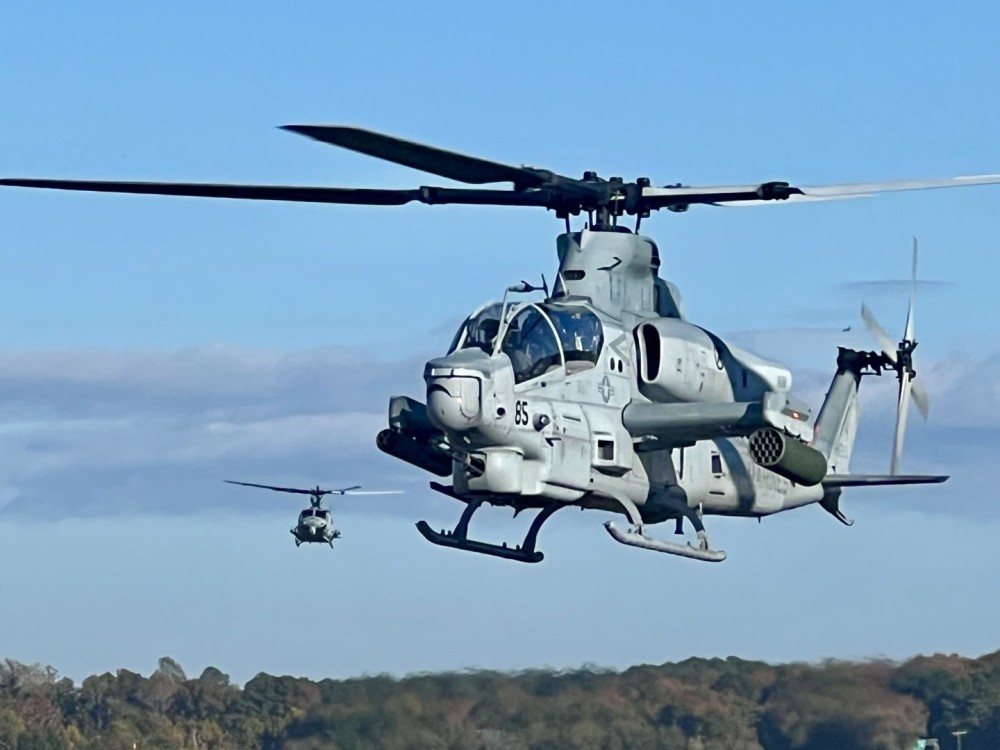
{"x": 101, "y": 432}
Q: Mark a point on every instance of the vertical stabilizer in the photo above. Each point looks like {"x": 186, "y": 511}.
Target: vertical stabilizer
{"x": 837, "y": 423}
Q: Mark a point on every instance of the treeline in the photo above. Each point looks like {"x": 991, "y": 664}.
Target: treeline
{"x": 698, "y": 704}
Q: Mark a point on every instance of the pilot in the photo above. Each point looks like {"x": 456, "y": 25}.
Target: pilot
{"x": 486, "y": 334}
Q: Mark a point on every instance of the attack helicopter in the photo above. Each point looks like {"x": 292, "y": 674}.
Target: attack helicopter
{"x": 315, "y": 523}
{"x": 603, "y": 395}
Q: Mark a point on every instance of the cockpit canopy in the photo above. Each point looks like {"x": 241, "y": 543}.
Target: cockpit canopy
{"x": 538, "y": 339}
{"x": 479, "y": 331}
{"x": 317, "y": 512}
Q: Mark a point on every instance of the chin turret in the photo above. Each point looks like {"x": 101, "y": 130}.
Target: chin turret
{"x": 455, "y": 387}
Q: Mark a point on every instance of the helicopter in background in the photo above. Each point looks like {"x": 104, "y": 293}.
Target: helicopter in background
{"x": 315, "y": 523}
{"x": 603, "y": 395}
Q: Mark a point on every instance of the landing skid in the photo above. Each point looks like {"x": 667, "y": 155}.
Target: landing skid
{"x": 450, "y": 539}
{"x": 638, "y": 539}
{"x": 458, "y": 539}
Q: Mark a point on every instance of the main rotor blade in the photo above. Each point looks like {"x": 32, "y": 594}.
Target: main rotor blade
{"x": 347, "y": 489}
{"x": 356, "y": 196}
{"x": 377, "y": 492}
{"x": 430, "y": 159}
{"x": 896, "y": 186}
{"x": 294, "y": 490}
{"x": 750, "y": 195}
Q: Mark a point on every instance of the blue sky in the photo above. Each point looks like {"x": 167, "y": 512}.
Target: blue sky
{"x": 155, "y": 346}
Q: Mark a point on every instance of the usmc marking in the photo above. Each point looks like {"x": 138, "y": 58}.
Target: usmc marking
{"x": 606, "y": 389}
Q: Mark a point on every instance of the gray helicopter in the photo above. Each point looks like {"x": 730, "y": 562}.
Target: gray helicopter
{"x": 315, "y": 523}
{"x": 601, "y": 394}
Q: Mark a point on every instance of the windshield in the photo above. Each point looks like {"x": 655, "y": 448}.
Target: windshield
{"x": 531, "y": 345}
{"x": 479, "y": 330}
{"x": 580, "y": 334}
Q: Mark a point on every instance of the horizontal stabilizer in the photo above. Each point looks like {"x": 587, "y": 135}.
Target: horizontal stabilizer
{"x": 879, "y": 480}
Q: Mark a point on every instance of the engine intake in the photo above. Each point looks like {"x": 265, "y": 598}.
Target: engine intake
{"x": 787, "y": 457}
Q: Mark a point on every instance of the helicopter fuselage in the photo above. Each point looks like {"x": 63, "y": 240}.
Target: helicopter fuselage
{"x": 548, "y": 402}
{"x": 314, "y": 525}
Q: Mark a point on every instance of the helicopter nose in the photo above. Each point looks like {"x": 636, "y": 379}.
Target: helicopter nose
{"x": 454, "y": 401}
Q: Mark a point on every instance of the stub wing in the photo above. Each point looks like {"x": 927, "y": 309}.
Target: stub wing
{"x": 686, "y": 423}
{"x": 680, "y": 424}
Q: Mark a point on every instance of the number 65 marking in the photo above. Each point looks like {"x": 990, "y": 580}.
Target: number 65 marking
{"x": 521, "y": 412}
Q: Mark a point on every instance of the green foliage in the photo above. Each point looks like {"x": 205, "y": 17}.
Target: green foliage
{"x": 697, "y": 704}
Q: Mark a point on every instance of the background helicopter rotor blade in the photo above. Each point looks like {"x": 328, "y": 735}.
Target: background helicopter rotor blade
{"x": 430, "y": 159}
{"x": 294, "y": 490}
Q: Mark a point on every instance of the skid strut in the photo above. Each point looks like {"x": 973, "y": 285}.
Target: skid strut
{"x": 458, "y": 538}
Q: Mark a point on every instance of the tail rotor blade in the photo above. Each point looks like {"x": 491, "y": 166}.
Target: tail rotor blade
{"x": 905, "y": 384}
{"x": 878, "y": 332}
{"x": 908, "y": 330}
{"x": 920, "y": 397}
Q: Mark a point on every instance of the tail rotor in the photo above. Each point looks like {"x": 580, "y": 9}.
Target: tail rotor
{"x": 900, "y": 356}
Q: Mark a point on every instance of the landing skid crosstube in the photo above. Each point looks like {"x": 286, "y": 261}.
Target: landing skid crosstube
{"x": 458, "y": 538}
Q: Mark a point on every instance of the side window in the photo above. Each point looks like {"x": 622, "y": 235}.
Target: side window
{"x": 716, "y": 464}
{"x": 531, "y": 345}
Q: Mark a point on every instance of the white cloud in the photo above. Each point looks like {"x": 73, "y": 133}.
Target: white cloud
{"x": 91, "y": 431}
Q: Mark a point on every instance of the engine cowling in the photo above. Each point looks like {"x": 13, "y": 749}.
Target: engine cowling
{"x": 679, "y": 362}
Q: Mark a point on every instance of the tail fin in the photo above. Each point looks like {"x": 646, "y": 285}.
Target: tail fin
{"x": 837, "y": 424}
{"x": 836, "y": 428}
